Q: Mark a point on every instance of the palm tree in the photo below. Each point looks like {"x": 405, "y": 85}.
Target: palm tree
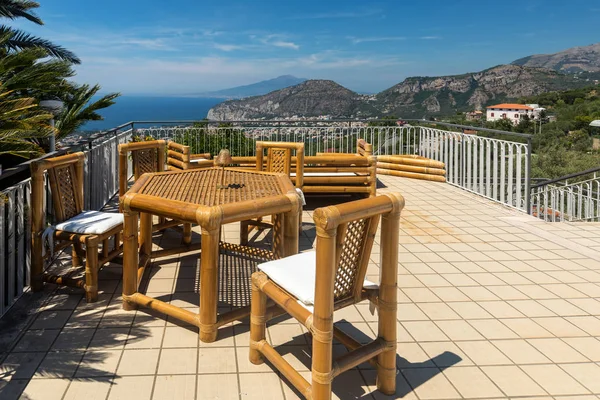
{"x": 79, "y": 109}
{"x": 19, "y": 40}
{"x": 22, "y": 125}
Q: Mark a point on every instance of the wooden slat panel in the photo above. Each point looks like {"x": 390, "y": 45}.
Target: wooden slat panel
{"x": 20, "y": 239}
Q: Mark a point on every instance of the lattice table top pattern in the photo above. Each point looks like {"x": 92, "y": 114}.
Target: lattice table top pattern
{"x": 200, "y": 186}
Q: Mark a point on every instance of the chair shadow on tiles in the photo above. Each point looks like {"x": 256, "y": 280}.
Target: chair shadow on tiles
{"x": 351, "y": 384}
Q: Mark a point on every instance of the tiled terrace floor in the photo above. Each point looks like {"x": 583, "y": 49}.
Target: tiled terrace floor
{"x": 492, "y": 304}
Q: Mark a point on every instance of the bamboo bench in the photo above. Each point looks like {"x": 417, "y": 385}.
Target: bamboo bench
{"x": 341, "y": 172}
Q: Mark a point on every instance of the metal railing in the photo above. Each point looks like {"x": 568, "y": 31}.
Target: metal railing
{"x": 100, "y": 185}
{"x": 562, "y": 199}
{"x": 495, "y": 168}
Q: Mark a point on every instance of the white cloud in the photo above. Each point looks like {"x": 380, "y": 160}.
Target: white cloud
{"x": 377, "y": 39}
{"x": 430, "y": 37}
{"x": 287, "y": 45}
{"x": 227, "y": 47}
{"x": 338, "y": 15}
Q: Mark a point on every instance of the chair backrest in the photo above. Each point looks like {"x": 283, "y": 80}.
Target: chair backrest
{"x": 348, "y": 230}
{"x": 178, "y": 156}
{"x": 148, "y": 156}
{"x": 65, "y": 174}
{"x": 363, "y": 148}
{"x": 279, "y": 158}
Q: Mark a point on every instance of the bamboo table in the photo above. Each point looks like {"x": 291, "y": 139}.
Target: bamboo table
{"x": 193, "y": 196}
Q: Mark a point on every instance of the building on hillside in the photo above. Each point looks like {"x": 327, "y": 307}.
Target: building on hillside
{"x": 513, "y": 112}
{"x": 474, "y": 115}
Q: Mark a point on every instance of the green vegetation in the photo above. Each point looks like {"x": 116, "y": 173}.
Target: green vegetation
{"x": 563, "y": 146}
{"x": 31, "y": 70}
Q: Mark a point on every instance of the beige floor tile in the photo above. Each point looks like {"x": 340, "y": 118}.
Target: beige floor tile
{"x": 445, "y": 354}
{"x": 587, "y": 374}
{"x": 265, "y": 386}
{"x": 458, "y": 330}
{"x": 469, "y": 310}
{"x": 520, "y": 352}
{"x": 420, "y": 295}
{"x": 180, "y": 337}
{"x": 587, "y": 345}
{"x": 145, "y": 338}
{"x": 449, "y": 294}
{"x": 526, "y": 328}
{"x": 424, "y": 331}
{"x": 559, "y": 327}
{"x": 493, "y": 329}
{"x": 216, "y": 360}
{"x": 513, "y": 381}
{"x": 430, "y": 383}
{"x": 557, "y": 350}
{"x": 403, "y": 389}
{"x": 88, "y": 389}
{"x": 589, "y": 324}
{"x": 20, "y": 365}
{"x": 175, "y": 387}
{"x": 531, "y": 308}
{"x": 99, "y": 363}
{"x": 482, "y": 352}
{"x": 554, "y": 380}
{"x": 59, "y": 365}
{"x": 438, "y": 311}
{"x": 478, "y": 293}
{"x": 410, "y": 312}
{"x": 54, "y": 319}
{"x": 131, "y": 387}
{"x": 109, "y": 338}
{"x": 218, "y": 387}
{"x": 245, "y": 366}
{"x": 45, "y": 389}
{"x": 37, "y": 340}
{"x": 500, "y": 309}
{"x": 286, "y": 334}
{"x": 138, "y": 362}
{"x": 177, "y": 361}
{"x": 472, "y": 383}
{"x": 411, "y": 355}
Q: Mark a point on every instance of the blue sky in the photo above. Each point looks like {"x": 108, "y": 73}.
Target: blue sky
{"x": 182, "y": 47}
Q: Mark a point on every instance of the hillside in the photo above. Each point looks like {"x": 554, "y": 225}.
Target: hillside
{"x": 414, "y": 97}
{"x": 311, "y": 98}
{"x": 420, "y": 96}
{"x": 255, "y": 89}
{"x": 575, "y": 59}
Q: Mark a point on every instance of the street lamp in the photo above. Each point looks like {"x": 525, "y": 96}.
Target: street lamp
{"x": 54, "y": 107}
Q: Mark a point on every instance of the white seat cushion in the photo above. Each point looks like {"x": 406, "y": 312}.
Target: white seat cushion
{"x": 296, "y": 274}
{"x": 196, "y": 160}
{"x": 326, "y": 174}
{"x": 91, "y": 223}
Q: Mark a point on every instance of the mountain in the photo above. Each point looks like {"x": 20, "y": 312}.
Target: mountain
{"x": 418, "y": 96}
{"x": 255, "y": 89}
{"x": 311, "y": 98}
{"x": 414, "y": 97}
{"x": 575, "y": 59}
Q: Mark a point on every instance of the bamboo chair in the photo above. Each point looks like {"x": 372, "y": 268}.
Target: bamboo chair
{"x": 279, "y": 159}
{"x": 73, "y": 225}
{"x": 147, "y": 156}
{"x": 180, "y": 158}
{"x": 310, "y": 286}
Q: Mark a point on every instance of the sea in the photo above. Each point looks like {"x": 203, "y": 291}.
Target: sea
{"x": 147, "y": 108}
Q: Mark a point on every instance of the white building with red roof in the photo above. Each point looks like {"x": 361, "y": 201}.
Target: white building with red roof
{"x": 513, "y": 112}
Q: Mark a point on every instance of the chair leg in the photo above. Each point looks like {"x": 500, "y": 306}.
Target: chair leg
{"x": 76, "y": 255}
{"x": 91, "y": 271}
{"x": 258, "y": 323}
{"x": 187, "y": 233}
{"x": 244, "y": 226}
{"x": 105, "y": 248}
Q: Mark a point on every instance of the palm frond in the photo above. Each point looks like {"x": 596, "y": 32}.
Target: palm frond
{"x": 21, "y": 40}
{"x": 14, "y": 9}
{"x": 80, "y": 108}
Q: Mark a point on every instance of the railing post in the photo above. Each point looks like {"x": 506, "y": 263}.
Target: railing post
{"x": 528, "y": 177}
